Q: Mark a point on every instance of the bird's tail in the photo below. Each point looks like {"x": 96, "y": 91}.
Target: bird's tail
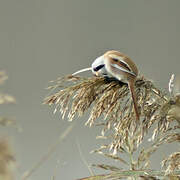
{"x": 133, "y": 94}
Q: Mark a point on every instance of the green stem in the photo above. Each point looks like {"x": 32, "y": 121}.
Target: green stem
{"x": 137, "y": 173}
{"x": 142, "y": 173}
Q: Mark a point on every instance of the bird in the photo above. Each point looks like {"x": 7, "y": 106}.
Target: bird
{"x": 121, "y": 67}
{"x": 114, "y": 64}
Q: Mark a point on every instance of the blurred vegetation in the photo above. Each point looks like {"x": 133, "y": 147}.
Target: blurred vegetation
{"x": 7, "y": 159}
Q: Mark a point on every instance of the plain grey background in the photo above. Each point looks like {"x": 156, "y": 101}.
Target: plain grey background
{"x": 41, "y": 40}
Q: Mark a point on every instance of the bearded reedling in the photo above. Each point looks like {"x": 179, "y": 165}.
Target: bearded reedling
{"x": 121, "y": 67}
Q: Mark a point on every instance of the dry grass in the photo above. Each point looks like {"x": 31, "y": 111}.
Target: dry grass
{"x": 5, "y": 99}
{"x": 7, "y": 159}
{"x": 111, "y": 100}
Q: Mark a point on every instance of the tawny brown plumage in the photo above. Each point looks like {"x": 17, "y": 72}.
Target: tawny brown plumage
{"x": 124, "y": 69}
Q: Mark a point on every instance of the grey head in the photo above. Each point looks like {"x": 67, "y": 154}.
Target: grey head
{"x": 98, "y": 67}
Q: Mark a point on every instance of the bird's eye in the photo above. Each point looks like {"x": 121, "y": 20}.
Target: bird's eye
{"x": 115, "y": 60}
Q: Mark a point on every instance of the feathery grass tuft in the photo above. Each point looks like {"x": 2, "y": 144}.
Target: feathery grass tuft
{"x": 7, "y": 160}
{"x": 5, "y": 99}
{"x": 111, "y": 100}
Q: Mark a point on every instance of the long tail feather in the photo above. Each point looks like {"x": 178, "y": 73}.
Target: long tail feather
{"x": 133, "y": 94}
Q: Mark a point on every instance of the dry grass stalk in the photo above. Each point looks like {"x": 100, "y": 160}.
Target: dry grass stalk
{"x": 112, "y": 100}
{"x": 3, "y": 77}
{"x": 140, "y": 175}
{"x": 172, "y": 163}
{"x": 47, "y": 155}
{"x": 5, "y": 99}
{"x": 7, "y": 160}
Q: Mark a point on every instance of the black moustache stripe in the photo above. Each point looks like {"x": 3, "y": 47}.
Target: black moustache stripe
{"x": 98, "y": 67}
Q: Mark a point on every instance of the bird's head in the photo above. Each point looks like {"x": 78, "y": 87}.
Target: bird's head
{"x": 98, "y": 67}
